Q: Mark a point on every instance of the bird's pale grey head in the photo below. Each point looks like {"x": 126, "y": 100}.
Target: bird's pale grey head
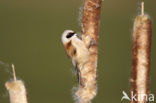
{"x": 67, "y": 36}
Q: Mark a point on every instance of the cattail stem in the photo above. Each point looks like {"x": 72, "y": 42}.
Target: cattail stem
{"x": 90, "y": 29}
{"x": 142, "y": 8}
{"x": 14, "y": 73}
{"x": 16, "y": 90}
{"x": 142, "y": 31}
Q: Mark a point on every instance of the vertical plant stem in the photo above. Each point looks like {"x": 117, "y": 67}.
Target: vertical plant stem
{"x": 142, "y": 32}
{"x": 90, "y": 29}
{"x": 16, "y": 90}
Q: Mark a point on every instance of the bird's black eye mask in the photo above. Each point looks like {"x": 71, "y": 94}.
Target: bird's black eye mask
{"x": 69, "y": 35}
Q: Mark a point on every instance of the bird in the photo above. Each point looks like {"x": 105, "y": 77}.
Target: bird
{"x": 75, "y": 49}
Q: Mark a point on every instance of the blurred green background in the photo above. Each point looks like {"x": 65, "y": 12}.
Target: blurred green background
{"x": 30, "y": 37}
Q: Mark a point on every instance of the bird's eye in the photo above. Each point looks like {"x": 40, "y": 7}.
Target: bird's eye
{"x": 69, "y": 35}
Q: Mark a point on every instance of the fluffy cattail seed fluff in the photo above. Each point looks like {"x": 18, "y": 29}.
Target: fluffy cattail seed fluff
{"x": 16, "y": 90}
{"x": 142, "y": 31}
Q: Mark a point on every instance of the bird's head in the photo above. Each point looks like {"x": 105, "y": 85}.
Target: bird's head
{"x": 67, "y": 36}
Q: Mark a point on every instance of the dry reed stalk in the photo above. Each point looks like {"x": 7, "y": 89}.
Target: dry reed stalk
{"x": 142, "y": 32}
{"x": 90, "y": 29}
{"x": 16, "y": 90}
